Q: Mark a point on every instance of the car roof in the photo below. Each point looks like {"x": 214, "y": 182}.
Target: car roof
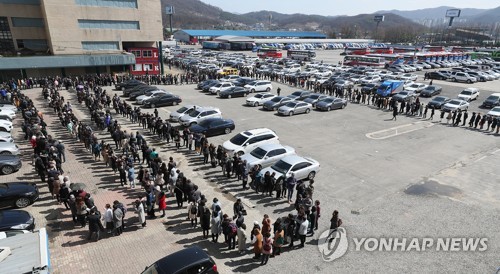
{"x": 207, "y": 108}
{"x": 180, "y": 259}
{"x": 257, "y": 131}
{"x": 268, "y": 147}
{"x": 293, "y": 159}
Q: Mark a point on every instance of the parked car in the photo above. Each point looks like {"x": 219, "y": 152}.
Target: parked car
{"x": 233, "y": 92}
{"x": 408, "y": 76}
{"x": 299, "y": 94}
{"x": 189, "y": 260}
{"x": 331, "y": 103}
{"x": 438, "y": 102}
{"x": 220, "y": 87}
{"x": 495, "y": 112}
{"x": 416, "y": 87}
{"x": 492, "y": 101}
{"x": 176, "y": 115}
{"x": 437, "y": 75}
{"x": 16, "y": 220}
{"x": 18, "y": 194}
{"x": 295, "y": 107}
{"x": 370, "y": 79}
{"x": 266, "y": 155}
{"x": 8, "y": 112}
{"x": 276, "y": 102}
{"x": 128, "y": 84}
{"x": 302, "y": 168}
{"x": 9, "y": 164}
{"x": 430, "y": 91}
{"x": 8, "y": 148}
{"x": 405, "y": 95}
{"x": 259, "y": 99}
{"x": 164, "y": 100}
{"x": 141, "y": 91}
{"x": 207, "y": 82}
{"x": 469, "y": 94}
{"x": 458, "y": 76}
{"x": 199, "y": 115}
{"x": 455, "y": 104}
{"x": 6, "y": 137}
{"x": 150, "y": 94}
{"x": 370, "y": 88}
{"x": 314, "y": 98}
{"x": 248, "y": 140}
{"x": 258, "y": 86}
{"x": 213, "y": 126}
{"x": 206, "y": 88}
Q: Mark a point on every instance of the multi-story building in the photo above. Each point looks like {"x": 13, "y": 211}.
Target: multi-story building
{"x": 40, "y": 37}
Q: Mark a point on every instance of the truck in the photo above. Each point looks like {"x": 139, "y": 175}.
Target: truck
{"x": 390, "y": 87}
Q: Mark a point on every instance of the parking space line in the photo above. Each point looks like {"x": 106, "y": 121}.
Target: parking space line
{"x": 399, "y": 130}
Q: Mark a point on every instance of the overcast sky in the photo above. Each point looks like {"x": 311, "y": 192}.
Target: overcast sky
{"x": 335, "y": 7}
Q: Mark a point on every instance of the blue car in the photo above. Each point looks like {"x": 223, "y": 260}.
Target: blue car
{"x": 213, "y": 126}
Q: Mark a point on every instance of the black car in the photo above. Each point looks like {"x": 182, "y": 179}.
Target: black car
{"x": 16, "y": 220}
{"x": 207, "y": 82}
{"x": 438, "y": 102}
{"x": 18, "y": 194}
{"x": 233, "y": 92}
{"x": 142, "y": 91}
{"x": 131, "y": 90}
{"x": 9, "y": 163}
{"x": 241, "y": 82}
{"x": 189, "y": 260}
{"x": 430, "y": 91}
{"x": 208, "y": 86}
{"x": 437, "y": 75}
{"x": 164, "y": 100}
{"x": 128, "y": 84}
{"x": 369, "y": 88}
{"x": 213, "y": 126}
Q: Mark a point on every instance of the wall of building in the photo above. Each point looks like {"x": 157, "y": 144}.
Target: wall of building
{"x": 66, "y": 33}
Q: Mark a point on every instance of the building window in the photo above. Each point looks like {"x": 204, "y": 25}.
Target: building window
{"x": 137, "y": 53}
{"x": 108, "y": 24}
{"x": 21, "y": 2}
{"x": 148, "y": 67}
{"x": 108, "y": 3}
{"x": 137, "y": 67}
{"x": 96, "y": 46}
{"x": 22, "y": 22}
{"x": 147, "y": 53}
{"x": 33, "y": 44}
{"x": 6, "y": 42}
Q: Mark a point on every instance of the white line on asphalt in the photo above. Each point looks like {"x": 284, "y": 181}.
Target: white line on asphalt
{"x": 477, "y": 160}
{"x": 395, "y": 131}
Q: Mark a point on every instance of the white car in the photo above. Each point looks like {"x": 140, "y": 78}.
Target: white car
{"x": 8, "y": 106}
{"x": 370, "y": 79}
{"x": 408, "y": 76}
{"x": 455, "y": 104}
{"x": 5, "y": 126}
{"x": 6, "y": 137}
{"x": 258, "y": 86}
{"x": 469, "y": 94}
{"x": 323, "y": 73}
{"x": 495, "y": 112}
{"x": 301, "y": 167}
{"x": 220, "y": 87}
{"x": 150, "y": 94}
{"x": 248, "y": 140}
{"x": 8, "y": 112}
{"x": 416, "y": 87}
{"x": 9, "y": 148}
{"x": 259, "y": 99}
{"x": 185, "y": 110}
{"x": 199, "y": 115}
{"x": 266, "y": 155}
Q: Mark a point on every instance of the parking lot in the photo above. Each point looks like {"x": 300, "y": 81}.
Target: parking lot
{"x": 370, "y": 167}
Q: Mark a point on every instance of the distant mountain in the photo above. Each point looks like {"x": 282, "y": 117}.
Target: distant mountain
{"x": 488, "y": 17}
{"x": 432, "y": 13}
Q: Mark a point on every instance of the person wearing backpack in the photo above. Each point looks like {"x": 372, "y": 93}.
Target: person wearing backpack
{"x": 267, "y": 248}
{"x": 231, "y": 237}
{"x": 192, "y": 213}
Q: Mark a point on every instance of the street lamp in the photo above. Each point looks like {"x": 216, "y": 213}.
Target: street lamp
{"x": 378, "y": 19}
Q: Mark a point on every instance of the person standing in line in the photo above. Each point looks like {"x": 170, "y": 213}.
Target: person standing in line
{"x": 95, "y": 225}
{"x": 117, "y": 219}
{"x": 466, "y": 115}
{"x": 394, "y": 113}
{"x": 242, "y": 238}
{"x": 139, "y": 208}
{"x": 257, "y": 243}
{"x": 131, "y": 176}
{"x": 192, "y": 213}
{"x": 108, "y": 218}
{"x": 162, "y": 203}
{"x": 303, "y": 228}
{"x": 432, "y": 114}
{"x": 290, "y": 184}
{"x": 335, "y": 222}
{"x": 216, "y": 224}
{"x": 267, "y": 248}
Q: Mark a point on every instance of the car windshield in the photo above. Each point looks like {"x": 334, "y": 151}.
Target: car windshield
{"x": 258, "y": 153}
{"x": 329, "y": 100}
{"x": 315, "y": 96}
{"x": 182, "y": 110}
{"x": 276, "y": 99}
{"x": 454, "y": 102}
{"x": 194, "y": 113}
{"x": 403, "y": 93}
{"x": 204, "y": 123}
{"x": 430, "y": 88}
{"x": 466, "y": 92}
{"x": 439, "y": 99}
{"x": 494, "y": 98}
{"x": 218, "y": 85}
{"x": 238, "y": 139}
{"x": 495, "y": 109}
{"x": 281, "y": 167}
{"x": 291, "y": 104}
{"x": 414, "y": 86}
{"x": 252, "y": 83}
{"x": 297, "y": 93}
{"x": 258, "y": 96}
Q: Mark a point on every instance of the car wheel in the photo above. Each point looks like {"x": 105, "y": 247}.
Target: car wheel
{"x": 240, "y": 153}
{"x": 290, "y": 113}
{"x": 469, "y": 81}
{"x": 275, "y": 108}
{"x": 5, "y": 153}
{"x": 329, "y": 108}
{"x": 22, "y": 202}
{"x": 268, "y": 89}
{"x": 7, "y": 170}
{"x": 245, "y": 94}
{"x": 252, "y": 90}
{"x": 227, "y": 131}
{"x": 229, "y": 96}
{"x": 308, "y": 110}
{"x": 153, "y": 105}
{"x": 343, "y": 106}
{"x": 174, "y": 103}
{"x": 311, "y": 175}
{"x": 256, "y": 104}
{"x": 454, "y": 79}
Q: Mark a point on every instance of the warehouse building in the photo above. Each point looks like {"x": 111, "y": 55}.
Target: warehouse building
{"x": 198, "y": 36}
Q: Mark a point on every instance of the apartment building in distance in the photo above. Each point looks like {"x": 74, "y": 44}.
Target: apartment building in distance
{"x": 70, "y": 37}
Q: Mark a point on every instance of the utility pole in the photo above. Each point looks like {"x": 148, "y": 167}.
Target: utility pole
{"x": 378, "y": 19}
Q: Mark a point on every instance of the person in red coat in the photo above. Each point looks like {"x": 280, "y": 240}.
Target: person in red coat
{"x": 162, "y": 203}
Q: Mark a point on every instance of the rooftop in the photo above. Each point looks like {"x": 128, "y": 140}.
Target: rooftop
{"x": 251, "y": 33}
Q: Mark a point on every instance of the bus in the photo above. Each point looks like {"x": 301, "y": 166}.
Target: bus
{"x": 410, "y": 58}
{"x": 359, "y": 60}
{"x": 356, "y": 51}
{"x": 303, "y": 55}
{"x": 433, "y": 48}
{"x": 269, "y": 53}
{"x": 382, "y": 50}
{"x": 389, "y": 59}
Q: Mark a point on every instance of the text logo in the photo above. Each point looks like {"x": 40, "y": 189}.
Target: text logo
{"x": 333, "y": 244}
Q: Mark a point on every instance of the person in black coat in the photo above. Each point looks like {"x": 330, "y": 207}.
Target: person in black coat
{"x": 95, "y": 225}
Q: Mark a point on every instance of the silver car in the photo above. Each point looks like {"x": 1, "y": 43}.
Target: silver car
{"x": 7, "y": 148}
{"x": 185, "y": 110}
{"x": 292, "y": 108}
{"x": 314, "y": 98}
{"x": 301, "y": 167}
{"x": 266, "y": 155}
{"x": 331, "y": 103}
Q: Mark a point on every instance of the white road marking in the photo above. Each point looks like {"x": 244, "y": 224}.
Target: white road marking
{"x": 399, "y": 130}
{"x": 477, "y": 160}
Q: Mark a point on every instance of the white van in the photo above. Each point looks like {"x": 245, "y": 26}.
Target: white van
{"x": 258, "y": 86}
